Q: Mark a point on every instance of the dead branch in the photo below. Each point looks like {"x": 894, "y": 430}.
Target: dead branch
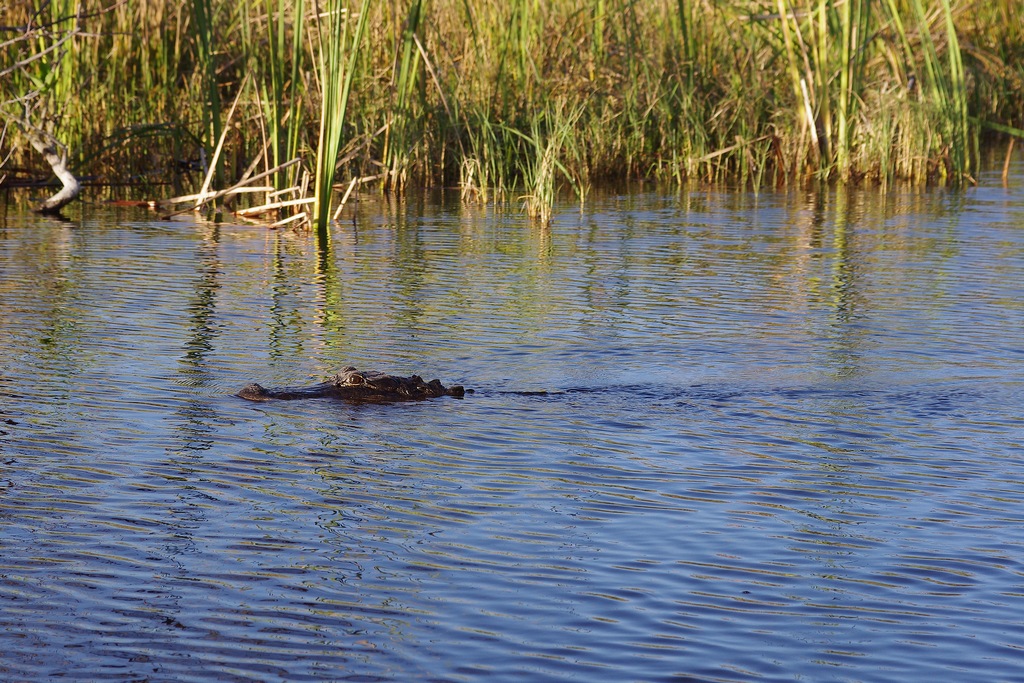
{"x": 46, "y": 145}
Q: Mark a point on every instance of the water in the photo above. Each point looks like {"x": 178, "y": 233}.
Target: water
{"x": 786, "y": 443}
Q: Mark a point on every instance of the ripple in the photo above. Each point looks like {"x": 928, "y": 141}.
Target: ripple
{"x": 780, "y": 440}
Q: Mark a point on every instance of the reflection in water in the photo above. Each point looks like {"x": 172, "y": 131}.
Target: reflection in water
{"x": 845, "y": 286}
{"x": 780, "y": 441}
{"x": 202, "y": 309}
{"x": 194, "y": 425}
{"x": 287, "y": 295}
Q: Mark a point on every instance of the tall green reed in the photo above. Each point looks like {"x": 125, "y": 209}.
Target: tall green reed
{"x": 551, "y": 136}
{"x": 338, "y": 52}
{"x": 205, "y": 32}
{"x": 942, "y": 90}
{"x": 955, "y": 106}
{"x": 486, "y": 169}
{"x": 282, "y": 68}
{"x": 399, "y": 136}
{"x": 826, "y": 47}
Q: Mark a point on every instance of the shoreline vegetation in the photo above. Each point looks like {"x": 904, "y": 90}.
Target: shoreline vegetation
{"x": 289, "y": 105}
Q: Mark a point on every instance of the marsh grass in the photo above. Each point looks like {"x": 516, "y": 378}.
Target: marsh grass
{"x": 530, "y": 99}
{"x": 551, "y": 137}
{"x": 203, "y": 24}
{"x": 279, "y": 67}
{"x": 338, "y": 50}
{"x": 401, "y": 131}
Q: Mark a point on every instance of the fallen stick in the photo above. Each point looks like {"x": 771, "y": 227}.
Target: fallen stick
{"x": 190, "y": 198}
{"x": 201, "y": 197}
{"x": 256, "y": 210}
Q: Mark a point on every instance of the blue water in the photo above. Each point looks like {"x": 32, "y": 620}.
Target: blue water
{"x": 782, "y": 442}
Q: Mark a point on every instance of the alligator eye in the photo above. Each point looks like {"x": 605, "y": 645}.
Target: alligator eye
{"x": 356, "y": 379}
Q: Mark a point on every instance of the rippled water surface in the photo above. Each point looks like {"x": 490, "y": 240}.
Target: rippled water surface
{"x": 782, "y": 440}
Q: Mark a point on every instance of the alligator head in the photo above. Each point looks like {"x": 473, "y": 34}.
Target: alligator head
{"x": 359, "y": 385}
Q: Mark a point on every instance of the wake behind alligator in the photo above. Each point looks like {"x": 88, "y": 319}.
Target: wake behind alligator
{"x": 360, "y": 385}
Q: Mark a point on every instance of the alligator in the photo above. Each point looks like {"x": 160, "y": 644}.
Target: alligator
{"x": 360, "y": 385}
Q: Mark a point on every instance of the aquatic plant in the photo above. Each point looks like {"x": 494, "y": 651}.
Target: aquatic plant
{"x": 203, "y": 20}
{"x": 458, "y": 93}
{"x": 399, "y": 133}
{"x": 280, "y": 68}
{"x": 337, "y": 54}
{"x": 551, "y": 136}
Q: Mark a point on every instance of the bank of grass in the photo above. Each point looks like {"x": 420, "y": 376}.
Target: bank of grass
{"x": 514, "y": 99}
